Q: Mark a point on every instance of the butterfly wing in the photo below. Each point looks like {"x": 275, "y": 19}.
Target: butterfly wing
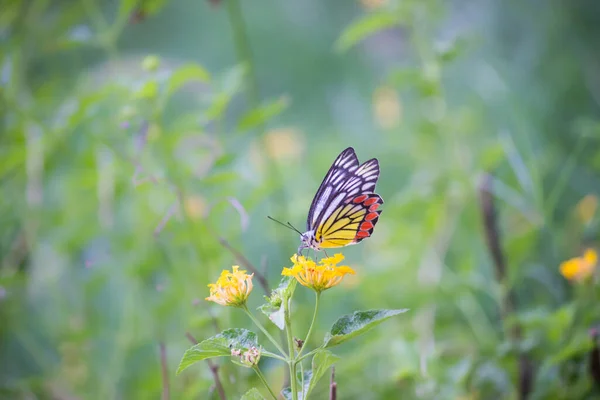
{"x": 351, "y": 222}
{"x": 350, "y": 211}
{"x": 342, "y": 168}
{"x": 362, "y": 180}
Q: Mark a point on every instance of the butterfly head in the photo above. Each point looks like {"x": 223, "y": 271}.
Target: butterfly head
{"x": 309, "y": 241}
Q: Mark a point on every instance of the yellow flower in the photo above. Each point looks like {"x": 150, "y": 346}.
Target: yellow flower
{"x": 387, "y": 108}
{"x": 320, "y": 276}
{"x": 283, "y": 144}
{"x": 580, "y": 268}
{"x": 232, "y": 288}
{"x": 196, "y": 207}
{"x": 586, "y": 208}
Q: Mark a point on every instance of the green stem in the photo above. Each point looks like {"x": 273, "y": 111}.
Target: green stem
{"x": 273, "y": 355}
{"x": 312, "y": 324}
{"x": 302, "y": 379}
{"x": 564, "y": 175}
{"x": 95, "y": 15}
{"x": 292, "y": 357}
{"x": 264, "y": 381}
{"x": 262, "y": 328}
{"x": 310, "y": 353}
{"x": 243, "y": 49}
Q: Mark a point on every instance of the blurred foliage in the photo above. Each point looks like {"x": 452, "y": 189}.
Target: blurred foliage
{"x": 137, "y": 134}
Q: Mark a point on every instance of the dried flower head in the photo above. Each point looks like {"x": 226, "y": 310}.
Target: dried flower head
{"x": 248, "y": 358}
{"x": 252, "y": 356}
{"x": 236, "y": 352}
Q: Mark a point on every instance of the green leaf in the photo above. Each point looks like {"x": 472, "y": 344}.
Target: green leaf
{"x": 355, "y": 324}
{"x": 146, "y": 7}
{"x": 225, "y": 160}
{"x": 252, "y": 394}
{"x": 232, "y": 80}
{"x": 273, "y": 309}
{"x": 322, "y": 360}
{"x": 275, "y": 314}
{"x": 148, "y": 91}
{"x": 364, "y": 27}
{"x": 287, "y": 392}
{"x": 308, "y": 377}
{"x": 557, "y": 323}
{"x": 286, "y": 287}
{"x": 217, "y": 108}
{"x": 404, "y": 76}
{"x": 577, "y": 346}
{"x": 126, "y": 7}
{"x": 261, "y": 115}
{"x": 221, "y": 177}
{"x": 185, "y": 74}
{"x": 218, "y": 346}
{"x": 449, "y": 51}
{"x": 226, "y": 86}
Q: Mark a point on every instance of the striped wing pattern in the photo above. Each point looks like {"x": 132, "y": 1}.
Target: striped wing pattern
{"x": 345, "y": 208}
{"x": 350, "y": 223}
{"x": 345, "y": 164}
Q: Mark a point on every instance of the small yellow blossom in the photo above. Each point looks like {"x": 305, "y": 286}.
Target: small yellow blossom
{"x": 232, "y": 288}
{"x": 387, "y": 108}
{"x": 586, "y": 208}
{"x": 196, "y": 207}
{"x": 320, "y": 276}
{"x": 283, "y": 144}
{"x": 580, "y": 268}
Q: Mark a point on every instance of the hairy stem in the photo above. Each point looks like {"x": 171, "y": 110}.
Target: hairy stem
{"x": 507, "y": 301}
{"x": 243, "y": 49}
{"x": 264, "y": 381}
{"x": 244, "y": 55}
{"x": 292, "y": 357}
{"x": 166, "y": 393}
{"x": 262, "y": 328}
{"x": 312, "y": 324}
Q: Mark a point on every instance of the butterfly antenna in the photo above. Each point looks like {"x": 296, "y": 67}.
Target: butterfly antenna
{"x": 288, "y": 225}
{"x": 294, "y": 228}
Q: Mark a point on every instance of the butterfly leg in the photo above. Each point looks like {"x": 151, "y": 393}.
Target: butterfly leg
{"x": 299, "y": 252}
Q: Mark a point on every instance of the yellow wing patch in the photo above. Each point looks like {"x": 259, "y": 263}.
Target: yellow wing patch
{"x": 341, "y": 227}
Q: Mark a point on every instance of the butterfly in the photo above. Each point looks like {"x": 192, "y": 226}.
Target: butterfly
{"x": 345, "y": 209}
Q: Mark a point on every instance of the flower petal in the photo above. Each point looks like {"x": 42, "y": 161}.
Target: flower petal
{"x": 318, "y": 276}
{"x": 590, "y": 256}
{"x": 232, "y": 288}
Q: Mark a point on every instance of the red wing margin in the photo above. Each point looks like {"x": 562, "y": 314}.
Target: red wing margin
{"x": 371, "y": 203}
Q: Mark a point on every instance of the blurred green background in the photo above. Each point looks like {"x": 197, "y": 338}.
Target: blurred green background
{"x": 138, "y": 135}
